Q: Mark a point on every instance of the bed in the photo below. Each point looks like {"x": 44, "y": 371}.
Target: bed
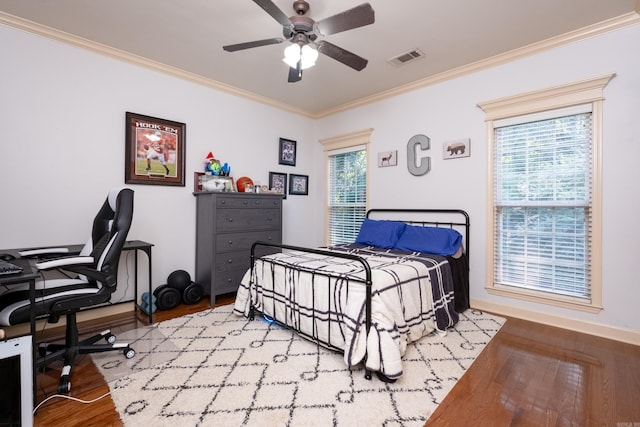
{"x": 406, "y": 276}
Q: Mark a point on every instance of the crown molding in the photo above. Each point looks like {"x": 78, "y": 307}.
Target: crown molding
{"x": 613, "y": 24}
{"x": 574, "y": 36}
{"x": 61, "y": 36}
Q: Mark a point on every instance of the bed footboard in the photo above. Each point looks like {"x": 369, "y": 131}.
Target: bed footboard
{"x": 367, "y": 283}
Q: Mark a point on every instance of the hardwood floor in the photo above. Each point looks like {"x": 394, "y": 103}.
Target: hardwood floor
{"x": 528, "y": 375}
{"x": 537, "y": 375}
{"x": 87, "y": 382}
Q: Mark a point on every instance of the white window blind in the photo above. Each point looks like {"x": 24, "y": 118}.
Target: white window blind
{"x": 542, "y": 203}
{"x": 347, "y": 194}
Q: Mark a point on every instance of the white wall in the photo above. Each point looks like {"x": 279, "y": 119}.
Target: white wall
{"x": 449, "y": 111}
{"x": 62, "y": 113}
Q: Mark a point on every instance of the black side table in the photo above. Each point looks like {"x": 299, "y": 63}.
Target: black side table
{"x": 139, "y": 245}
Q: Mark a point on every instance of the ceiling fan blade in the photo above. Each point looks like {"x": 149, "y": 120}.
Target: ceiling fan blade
{"x": 358, "y": 16}
{"x": 249, "y": 45}
{"x": 295, "y": 74}
{"x": 274, "y": 11}
{"x": 342, "y": 55}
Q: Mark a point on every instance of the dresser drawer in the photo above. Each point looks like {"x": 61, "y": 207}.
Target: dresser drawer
{"x": 232, "y": 260}
{"x": 247, "y": 202}
{"x": 228, "y": 281}
{"x": 248, "y": 219}
{"x": 240, "y": 260}
{"x": 227, "y": 242}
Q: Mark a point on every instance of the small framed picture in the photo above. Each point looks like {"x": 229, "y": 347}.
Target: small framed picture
{"x": 154, "y": 151}
{"x": 388, "y": 158}
{"x": 278, "y": 183}
{"x": 299, "y": 184}
{"x": 456, "y": 149}
{"x": 287, "y": 152}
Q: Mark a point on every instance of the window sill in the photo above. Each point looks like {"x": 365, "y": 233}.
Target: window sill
{"x": 544, "y": 298}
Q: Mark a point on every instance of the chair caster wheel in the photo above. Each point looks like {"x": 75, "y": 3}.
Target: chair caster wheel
{"x": 42, "y": 350}
{"x": 110, "y": 338}
{"x": 64, "y": 387}
{"x": 129, "y": 353}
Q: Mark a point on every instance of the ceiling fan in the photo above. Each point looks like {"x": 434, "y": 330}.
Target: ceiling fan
{"x": 303, "y": 31}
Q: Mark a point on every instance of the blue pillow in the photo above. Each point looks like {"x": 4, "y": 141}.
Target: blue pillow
{"x": 431, "y": 240}
{"x": 381, "y": 234}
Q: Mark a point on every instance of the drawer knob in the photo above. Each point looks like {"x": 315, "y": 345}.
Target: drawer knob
{"x": 229, "y": 280}
{"x": 257, "y": 202}
{"x": 245, "y": 202}
{"x": 230, "y": 219}
{"x": 230, "y": 261}
{"x": 230, "y": 242}
{"x": 224, "y": 202}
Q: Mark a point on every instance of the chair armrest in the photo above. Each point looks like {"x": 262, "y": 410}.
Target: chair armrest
{"x": 93, "y": 274}
{"x": 64, "y": 262}
{"x": 46, "y": 252}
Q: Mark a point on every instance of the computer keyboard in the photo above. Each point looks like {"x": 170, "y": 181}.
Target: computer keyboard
{"x": 7, "y": 267}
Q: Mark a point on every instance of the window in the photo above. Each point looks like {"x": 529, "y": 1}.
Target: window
{"x": 347, "y": 194}
{"x": 346, "y": 158}
{"x": 544, "y": 236}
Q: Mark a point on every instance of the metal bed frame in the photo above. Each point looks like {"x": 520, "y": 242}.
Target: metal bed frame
{"x": 367, "y": 281}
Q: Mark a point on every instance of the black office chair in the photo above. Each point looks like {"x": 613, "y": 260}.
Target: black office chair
{"x": 91, "y": 279}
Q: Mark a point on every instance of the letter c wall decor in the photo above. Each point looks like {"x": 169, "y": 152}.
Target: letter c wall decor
{"x": 425, "y": 162}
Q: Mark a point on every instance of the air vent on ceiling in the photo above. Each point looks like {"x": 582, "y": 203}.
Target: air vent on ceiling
{"x": 405, "y": 58}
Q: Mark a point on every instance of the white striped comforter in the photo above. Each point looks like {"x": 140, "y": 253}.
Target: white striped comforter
{"x": 323, "y": 298}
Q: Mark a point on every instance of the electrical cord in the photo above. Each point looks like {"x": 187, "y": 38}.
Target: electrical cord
{"x": 70, "y": 398}
{"x": 127, "y": 269}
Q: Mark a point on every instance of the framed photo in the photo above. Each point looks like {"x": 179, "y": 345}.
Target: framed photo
{"x": 388, "y": 158}
{"x": 456, "y": 149}
{"x": 278, "y": 183}
{"x": 299, "y": 184}
{"x": 287, "y": 152}
{"x": 154, "y": 151}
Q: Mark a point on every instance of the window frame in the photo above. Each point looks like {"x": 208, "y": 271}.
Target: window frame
{"x": 575, "y": 94}
{"x": 342, "y": 142}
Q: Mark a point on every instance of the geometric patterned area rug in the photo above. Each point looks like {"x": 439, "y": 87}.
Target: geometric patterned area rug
{"x": 214, "y": 368}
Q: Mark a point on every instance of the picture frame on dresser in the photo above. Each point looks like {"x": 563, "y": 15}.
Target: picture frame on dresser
{"x": 154, "y": 151}
{"x": 197, "y": 181}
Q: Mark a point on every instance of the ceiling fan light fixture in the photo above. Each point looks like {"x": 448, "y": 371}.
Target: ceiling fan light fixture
{"x": 309, "y": 56}
{"x": 306, "y": 54}
{"x": 303, "y": 32}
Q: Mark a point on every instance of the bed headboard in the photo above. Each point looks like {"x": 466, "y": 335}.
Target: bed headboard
{"x": 450, "y": 218}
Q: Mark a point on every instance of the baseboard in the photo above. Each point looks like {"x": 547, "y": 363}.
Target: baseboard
{"x": 599, "y": 330}
{"x": 94, "y": 313}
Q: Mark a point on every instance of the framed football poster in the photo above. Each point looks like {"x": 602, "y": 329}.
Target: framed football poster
{"x": 154, "y": 151}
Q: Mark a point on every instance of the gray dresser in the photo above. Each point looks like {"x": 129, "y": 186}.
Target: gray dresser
{"x": 227, "y": 224}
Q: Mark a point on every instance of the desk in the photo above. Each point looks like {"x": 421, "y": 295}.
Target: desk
{"x": 130, "y": 245}
{"x": 139, "y": 245}
{"x": 27, "y": 276}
